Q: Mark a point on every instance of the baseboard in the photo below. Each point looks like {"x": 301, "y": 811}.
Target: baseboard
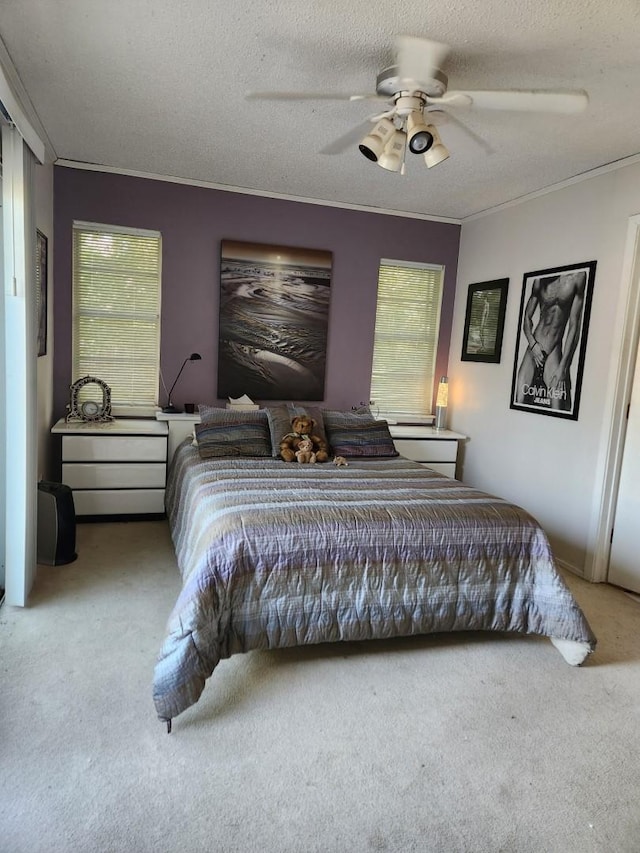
{"x": 569, "y": 567}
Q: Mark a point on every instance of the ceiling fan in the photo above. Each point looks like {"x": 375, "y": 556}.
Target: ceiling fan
{"x": 418, "y": 99}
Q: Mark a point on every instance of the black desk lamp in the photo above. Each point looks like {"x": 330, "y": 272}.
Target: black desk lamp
{"x": 169, "y": 408}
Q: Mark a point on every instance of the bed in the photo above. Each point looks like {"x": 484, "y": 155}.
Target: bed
{"x": 275, "y": 555}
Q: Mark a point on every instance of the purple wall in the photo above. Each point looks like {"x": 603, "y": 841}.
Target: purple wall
{"x": 193, "y": 221}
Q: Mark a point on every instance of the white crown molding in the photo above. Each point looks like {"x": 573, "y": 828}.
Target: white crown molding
{"x": 96, "y": 167}
{"x": 22, "y": 112}
{"x": 552, "y": 188}
{"x": 576, "y": 179}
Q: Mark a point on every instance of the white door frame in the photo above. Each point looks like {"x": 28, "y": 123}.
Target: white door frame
{"x": 20, "y": 448}
{"x": 616, "y": 402}
{"x": 19, "y": 385}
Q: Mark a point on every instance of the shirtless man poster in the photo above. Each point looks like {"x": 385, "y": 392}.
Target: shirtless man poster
{"x": 554, "y": 318}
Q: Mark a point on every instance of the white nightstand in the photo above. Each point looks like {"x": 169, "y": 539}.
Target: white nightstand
{"x": 115, "y": 468}
{"x": 180, "y": 425}
{"x": 435, "y": 448}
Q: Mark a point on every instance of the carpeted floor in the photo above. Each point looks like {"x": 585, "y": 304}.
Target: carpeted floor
{"x": 476, "y": 743}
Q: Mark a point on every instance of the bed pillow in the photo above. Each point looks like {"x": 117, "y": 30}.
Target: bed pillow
{"x": 208, "y": 413}
{"x": 279, "y": 421}
{"x": 351, "y": 416}
{"x": 361, "y": 435}
{"x": 222, "y": 433}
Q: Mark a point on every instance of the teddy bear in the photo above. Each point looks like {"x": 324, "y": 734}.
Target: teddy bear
{"x": 305, "y": 453}
{"x": 302, "y": 428}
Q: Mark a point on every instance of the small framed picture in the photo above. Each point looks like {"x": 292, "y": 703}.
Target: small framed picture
{"x": 41, "y": 291}
{"x": 484, "y": 321}
{"x": 552, "y": 340}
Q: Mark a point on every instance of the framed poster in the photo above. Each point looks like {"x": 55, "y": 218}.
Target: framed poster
{"x": 552, "y": 340}
{"x": 41, "y": 291}
{"x": 274, "y": 317}
{"x": 484, "y": 321}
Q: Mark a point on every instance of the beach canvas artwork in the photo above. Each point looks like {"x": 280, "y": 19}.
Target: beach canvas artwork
{"x": 274, "y": 317}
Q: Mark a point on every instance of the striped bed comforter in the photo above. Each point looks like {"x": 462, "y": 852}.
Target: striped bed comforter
{"x": 275, "y": 554}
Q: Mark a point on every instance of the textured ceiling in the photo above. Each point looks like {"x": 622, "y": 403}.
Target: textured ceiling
{"x": 158, "y": 86}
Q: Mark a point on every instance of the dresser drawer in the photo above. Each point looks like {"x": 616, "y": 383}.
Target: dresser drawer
{"x": 116, "y": 467}
{"x": 114, "y": 475}
{"x": 115, "y": 448}
{"x": 424, "y": 450}
{"x": 118, "y": 501}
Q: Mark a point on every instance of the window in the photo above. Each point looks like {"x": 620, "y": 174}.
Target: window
{"x": 116, "y": 312}
{"x": 406, "y": 337}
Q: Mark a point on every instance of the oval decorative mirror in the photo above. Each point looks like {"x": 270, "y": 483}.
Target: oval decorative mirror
{"x": 87, "y": 403}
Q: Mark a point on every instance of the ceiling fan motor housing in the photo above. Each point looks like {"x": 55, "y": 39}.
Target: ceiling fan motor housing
{"x": 390, "y": 83}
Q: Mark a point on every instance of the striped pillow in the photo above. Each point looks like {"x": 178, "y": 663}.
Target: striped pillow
{"x": 223, "y": 433}
{"x": 358, "y": 435}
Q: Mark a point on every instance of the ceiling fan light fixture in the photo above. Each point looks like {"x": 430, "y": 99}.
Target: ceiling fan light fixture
{"x": 392, "y": 158}
{"x": 373, "y": 144}
{"x": 420, "y": 135}
{"x": 436, "y": 154}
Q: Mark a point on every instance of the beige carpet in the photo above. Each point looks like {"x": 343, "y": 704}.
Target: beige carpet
{"x": 475, "y": 743}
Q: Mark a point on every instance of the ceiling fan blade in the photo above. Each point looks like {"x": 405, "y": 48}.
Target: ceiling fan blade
{"x": 523, "y": 100}
{"x": 311, "y": 96}
{"x": 418, "y": 58}
{"x": 356, "y": 134}
{"x": 438, "y": 117}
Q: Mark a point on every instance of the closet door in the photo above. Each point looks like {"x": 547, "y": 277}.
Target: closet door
{"x": 624, "y": 561}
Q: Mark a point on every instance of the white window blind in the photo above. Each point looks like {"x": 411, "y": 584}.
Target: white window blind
{"x": 116, "y": 311}
{"x": 406, "y": 337}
